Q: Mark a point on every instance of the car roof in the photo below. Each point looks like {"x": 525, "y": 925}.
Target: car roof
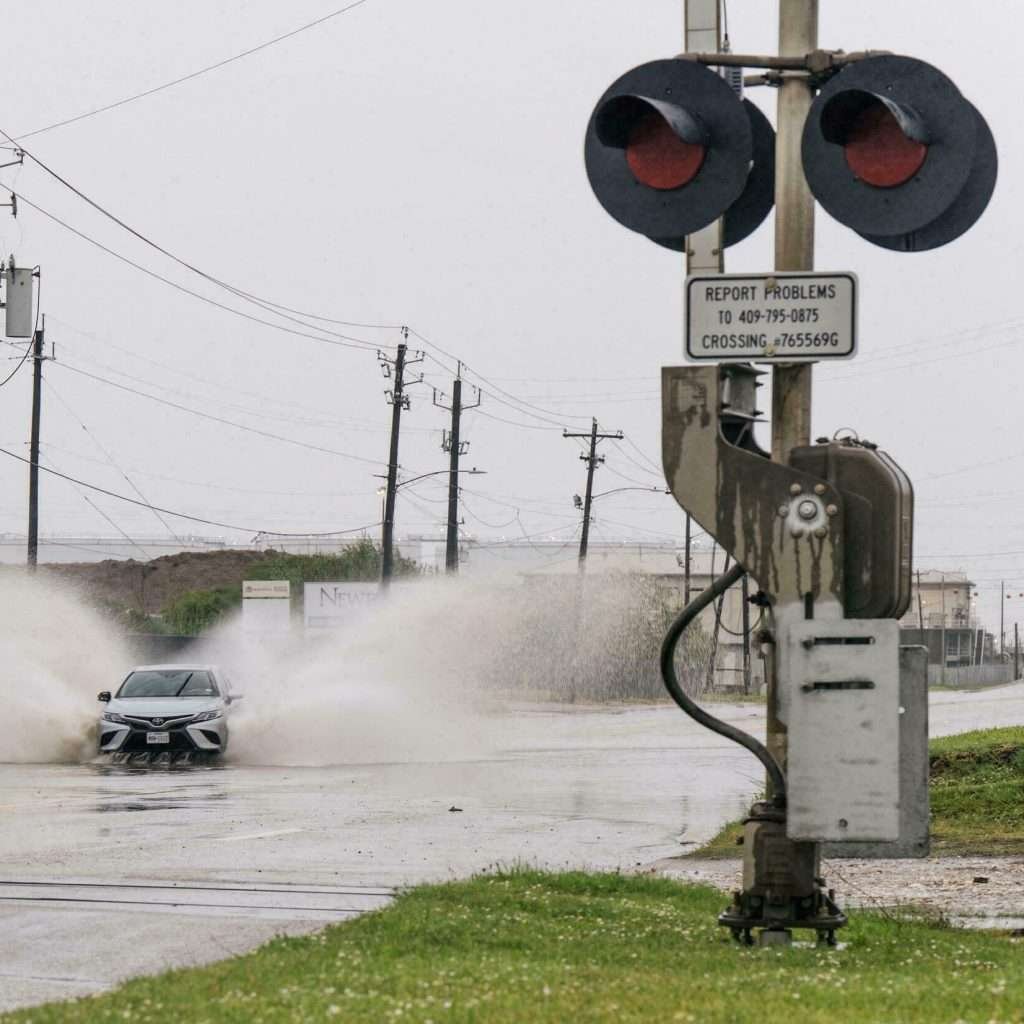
{"x": 179, "y": 667}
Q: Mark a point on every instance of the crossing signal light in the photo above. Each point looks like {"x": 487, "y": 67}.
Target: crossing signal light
{"x": 893, "y": 150}
{"x": 670, "y": 148}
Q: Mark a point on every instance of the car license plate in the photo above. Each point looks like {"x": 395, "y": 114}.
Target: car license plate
{"x": 158, "y": 737}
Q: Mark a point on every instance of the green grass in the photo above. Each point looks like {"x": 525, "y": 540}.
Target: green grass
{"x": 526, "y": 946}
{"x": 977, "y": 792}
{"x": 977, "y": 797}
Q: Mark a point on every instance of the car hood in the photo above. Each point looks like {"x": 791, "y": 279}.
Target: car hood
{"x": 169, "y": 707}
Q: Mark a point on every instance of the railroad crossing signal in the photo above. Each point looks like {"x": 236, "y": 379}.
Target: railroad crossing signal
{"x": 670, "y": 148}
{"x": 890, "y": 148}
{"x": 893, "y": 150}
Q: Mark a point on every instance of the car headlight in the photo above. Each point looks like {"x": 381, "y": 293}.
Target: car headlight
{"x": 208, "y": 716}
{"x": 109, "y": 716}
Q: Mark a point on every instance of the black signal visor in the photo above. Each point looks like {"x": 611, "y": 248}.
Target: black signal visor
{"x": 888, "y": 145}
{"x": 668, "y": 148}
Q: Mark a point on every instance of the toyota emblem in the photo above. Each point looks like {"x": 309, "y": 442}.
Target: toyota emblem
{"x": 158, "y": 721}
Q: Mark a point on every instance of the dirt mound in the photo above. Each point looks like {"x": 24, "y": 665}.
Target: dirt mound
{"x": 150, "y": 586}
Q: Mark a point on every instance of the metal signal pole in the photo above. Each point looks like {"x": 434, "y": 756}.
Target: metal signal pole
{"x": 455, "y": 447}
{"x": 591, "y": 459}
{"x": 33, "y": 471}
{"x": 399, "y": 401}
{"x": 745, "y": 626}
{"x": 794, "y": 251}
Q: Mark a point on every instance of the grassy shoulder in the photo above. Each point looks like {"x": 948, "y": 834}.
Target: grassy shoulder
{"x": 528, "y": 946}
{"x": 977, "y": 779}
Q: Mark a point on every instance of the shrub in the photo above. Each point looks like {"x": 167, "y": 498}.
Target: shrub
{"x": 195, "y": 612}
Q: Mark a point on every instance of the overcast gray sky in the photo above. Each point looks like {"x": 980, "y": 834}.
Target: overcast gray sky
{"x": 421, "y": 163}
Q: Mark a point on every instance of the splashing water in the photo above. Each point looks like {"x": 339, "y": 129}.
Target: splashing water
{"x": 55, "y": 656}
{"x": 397, "y": 685}
{"x": 428, "y": 675}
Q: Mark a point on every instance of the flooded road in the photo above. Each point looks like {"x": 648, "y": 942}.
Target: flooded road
{"x": 110, "y": 871}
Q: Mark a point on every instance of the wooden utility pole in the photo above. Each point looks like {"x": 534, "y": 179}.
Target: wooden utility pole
{"x": 1016, "y": 652}
{"x": 33, "y": 469}
{"x": 591, "y": 458}
{"x": 455, "y": 447}
{"x": 399, "y": 400}
{"x": 1002, "y": 619}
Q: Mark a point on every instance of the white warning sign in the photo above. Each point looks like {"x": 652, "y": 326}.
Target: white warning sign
{"x": 783, "y": 318}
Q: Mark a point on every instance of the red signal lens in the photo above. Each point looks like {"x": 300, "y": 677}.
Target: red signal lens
{"x": 657, "y": 156}
{"x": 878, "y": 152}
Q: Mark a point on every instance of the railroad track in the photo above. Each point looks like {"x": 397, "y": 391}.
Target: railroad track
{"x": 278, "y": 902}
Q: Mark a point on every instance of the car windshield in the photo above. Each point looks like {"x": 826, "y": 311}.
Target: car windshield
{"x": 169, "y": 682}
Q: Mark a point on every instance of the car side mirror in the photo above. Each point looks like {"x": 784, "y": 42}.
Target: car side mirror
{"x": 237, "y": 696}
{"x": 104, "y": 695}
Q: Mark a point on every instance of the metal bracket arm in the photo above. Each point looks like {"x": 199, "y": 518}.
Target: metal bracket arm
{"x": 783, "y": 525}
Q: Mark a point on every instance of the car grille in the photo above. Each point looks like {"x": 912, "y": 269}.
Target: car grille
{"x": 158, "y": 721}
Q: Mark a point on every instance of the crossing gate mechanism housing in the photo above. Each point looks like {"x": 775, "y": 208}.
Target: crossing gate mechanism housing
{"x": 827, "y": 538}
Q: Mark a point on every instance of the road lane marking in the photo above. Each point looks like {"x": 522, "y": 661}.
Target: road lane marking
{"x": 258, "y": 835}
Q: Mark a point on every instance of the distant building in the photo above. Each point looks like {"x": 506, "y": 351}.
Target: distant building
{"x": 942, "y": 616}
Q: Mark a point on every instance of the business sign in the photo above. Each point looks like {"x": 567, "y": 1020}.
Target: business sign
{"x": 263, "y": 589}
{"x": 781, "y": 318}
{"x": 266, "y": 606}
{"x": 329, "y": 605}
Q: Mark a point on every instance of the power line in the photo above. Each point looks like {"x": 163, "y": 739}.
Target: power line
{"x": 346, "y": 423}
{"x": 654, "y": 465}
{"x": 512, "y": 401}
{"x": 271, "y": 307}
{"x": 514, "y": 423}
{"x": 359, "y": 344}
{"x": 491, "y": 526}
{"x": 183, "y": 515}
{"x": 192, "y": 74}
{"x": 325, "y": 424}
{"x": 214, "y": 486}
{"x": 61, "y": 544}
{"x": 918, "y": 363}
{"x": 659, "y": 474}
{"x": 468, "y": 370}
{"x": 21, "y": 363}
{"x": 343, "y": 341}
{"x": 220, "y": 419}
{"x": 110, "y": 458}
{"x": 85, "y": 497}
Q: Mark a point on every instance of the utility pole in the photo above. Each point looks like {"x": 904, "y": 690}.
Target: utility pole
{"x": 942, "y": 591}
{"x": 1002, "y": 617}
{"x": 745, "y": 626}
{"x": 591, "y": 459}
{"x": 455, "y": 448}
{"x": 686, "y": 563}
{"x": 399, "y": 400}
{"x": 1016, "y": 652}
{"x": 33, "y": 470}
{"x": 920, "y": 608}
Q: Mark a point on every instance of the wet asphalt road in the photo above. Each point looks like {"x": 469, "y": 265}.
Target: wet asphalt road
{"x": 107, "y": 871}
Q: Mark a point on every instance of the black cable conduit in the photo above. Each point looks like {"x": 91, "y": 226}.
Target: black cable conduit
{"x": 694, "y": 710}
